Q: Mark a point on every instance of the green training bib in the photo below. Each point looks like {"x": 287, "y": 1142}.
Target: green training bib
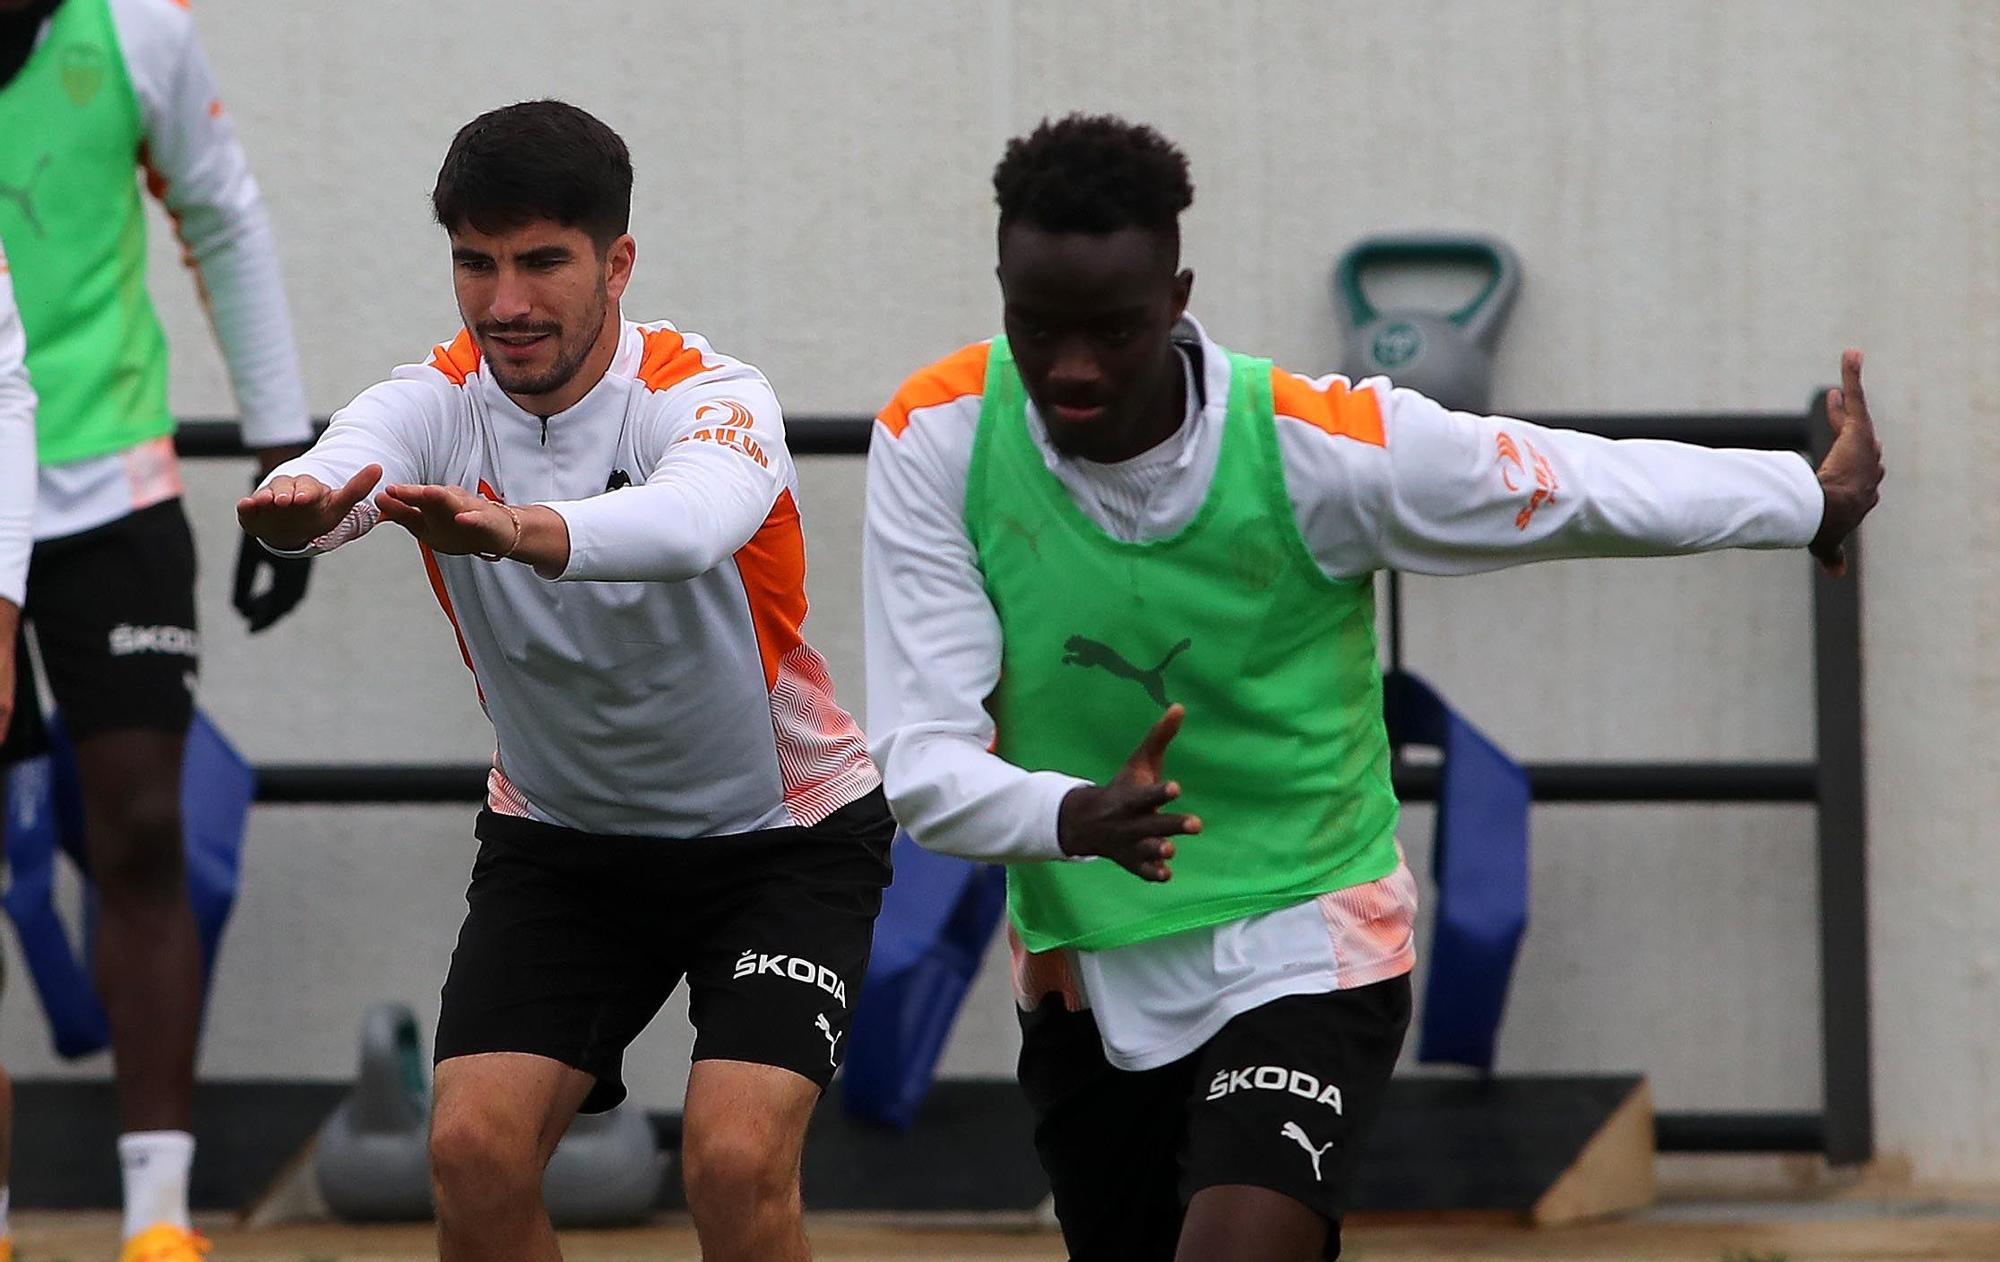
{"x": 75, "y": 231}
{"x": 1283, "y": 754}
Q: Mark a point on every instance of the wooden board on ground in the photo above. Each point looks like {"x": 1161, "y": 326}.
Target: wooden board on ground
{"x": 66, "y": 1133}
{"x": 1550, "y": 1149}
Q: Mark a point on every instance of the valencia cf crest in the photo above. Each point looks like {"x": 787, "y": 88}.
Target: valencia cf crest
{"x": 82, "y": 72}
{"x": 619, "y": 478}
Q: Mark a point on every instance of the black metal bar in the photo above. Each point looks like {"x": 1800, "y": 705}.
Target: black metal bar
{"x": 1641, "y": 782}
{"x": 300, "y": 783}
{"x": 1739, "y": 1132}
{"x": 204, "y": 437}
{"x": 325, "y": 783}
{"x": 1843, "y": 852}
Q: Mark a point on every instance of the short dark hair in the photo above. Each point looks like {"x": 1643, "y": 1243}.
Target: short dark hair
{"x": 1093, "y": 173}
{"x": 536, "y": 160}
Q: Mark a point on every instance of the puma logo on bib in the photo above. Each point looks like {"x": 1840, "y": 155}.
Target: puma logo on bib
{"x": 23, "y": 195}
{"x": 1088, "y": 653}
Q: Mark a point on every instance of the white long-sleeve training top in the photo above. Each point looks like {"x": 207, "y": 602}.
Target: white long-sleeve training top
{"x": 17, "y": 449}
{"x": 194, "y": 164}
{"x": 661, "y": 685}
{"x": 1434, "y": 491}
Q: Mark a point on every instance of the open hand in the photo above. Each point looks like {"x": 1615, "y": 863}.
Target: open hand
{"x": 1851, "y": 473}
{"x": 451, "y": 519}
{"x": 291, "y": 512}
{"x": 1122, "y": 820}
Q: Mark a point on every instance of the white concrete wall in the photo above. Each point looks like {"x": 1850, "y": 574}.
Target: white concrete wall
{"x": 1710, "y": 199}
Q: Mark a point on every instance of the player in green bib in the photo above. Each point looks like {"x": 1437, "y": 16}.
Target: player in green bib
{"x": 99, "y": 98}
{"x": 1104, "y": 528}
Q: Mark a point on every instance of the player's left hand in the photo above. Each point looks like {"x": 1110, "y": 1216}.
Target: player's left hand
{"x": 450, "y": 519}
{"x": 1851, "y": 473}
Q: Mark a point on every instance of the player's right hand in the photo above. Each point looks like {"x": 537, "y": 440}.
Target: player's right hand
{"x": 290, "y": 512}
{"x": 1850, "y": 475}
{"x": 1122, "y": 820}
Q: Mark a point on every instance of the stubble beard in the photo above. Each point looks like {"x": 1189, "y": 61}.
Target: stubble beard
{"x": 570, "y": 355}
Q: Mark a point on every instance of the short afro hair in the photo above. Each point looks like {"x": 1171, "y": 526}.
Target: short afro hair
{"x": 1093, "y": 173}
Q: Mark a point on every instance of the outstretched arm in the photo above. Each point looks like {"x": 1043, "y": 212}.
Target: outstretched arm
{"x": 1440, "y": 492}
{"x": 715, "y": 448}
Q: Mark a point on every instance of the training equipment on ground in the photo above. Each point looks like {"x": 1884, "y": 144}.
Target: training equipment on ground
{"x": 1552, "y": 1149}
{"x": 1446, "y": 355}
{"x": 606, "y": 1172}
{"x": 372, "y": 1157}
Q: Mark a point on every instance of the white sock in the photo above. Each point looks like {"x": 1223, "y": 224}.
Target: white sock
{"x": 156, "y": 1178}
{"x": 6, "y": 1202}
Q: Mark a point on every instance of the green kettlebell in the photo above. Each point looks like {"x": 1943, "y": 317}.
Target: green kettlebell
{"x": 1446, "y": 355}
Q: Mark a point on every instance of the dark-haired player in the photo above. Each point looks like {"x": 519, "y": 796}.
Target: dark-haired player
{"x": 1104, "y": 516}
{"x": 607, "y": 511}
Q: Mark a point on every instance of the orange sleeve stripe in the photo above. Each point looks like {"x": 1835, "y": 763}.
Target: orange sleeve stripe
{"x": 958, "y": 374}
{"x": 436, "y": 577}
{"x": 1339, "y": 410}
{"x": 668, "y": 360}
{"x": 773, "y": 569}
{"x": 457, "y": 360}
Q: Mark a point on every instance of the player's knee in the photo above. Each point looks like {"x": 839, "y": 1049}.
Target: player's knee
{"x": 139, "y": 854}
{"x": 476, "y": 1160}
{"x": 736, "y": 1168}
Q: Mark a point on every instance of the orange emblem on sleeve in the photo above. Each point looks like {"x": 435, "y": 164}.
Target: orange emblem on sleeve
{"x": 727, "y": 412}
{"x": 1543, "y": 473}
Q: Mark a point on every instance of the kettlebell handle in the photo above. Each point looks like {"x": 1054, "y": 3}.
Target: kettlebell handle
{"x": 1480, "y": 318}
{"x": 390, "y": 1086}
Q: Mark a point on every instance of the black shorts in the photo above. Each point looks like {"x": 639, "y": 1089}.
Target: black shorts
{"x": 112, "y": 615}
{"x": 572, "y": 941}
{"x": 1281, "y": 1098}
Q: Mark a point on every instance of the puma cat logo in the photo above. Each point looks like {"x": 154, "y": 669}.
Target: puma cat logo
{"x": 832, "y": 1038}
{"x": 23, "y": 195}
{"x": 1079, "y": 651}
{"x": 1292, "y": 1132}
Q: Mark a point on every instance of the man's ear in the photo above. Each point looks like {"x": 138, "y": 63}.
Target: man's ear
{"x": 619, "y": 257}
